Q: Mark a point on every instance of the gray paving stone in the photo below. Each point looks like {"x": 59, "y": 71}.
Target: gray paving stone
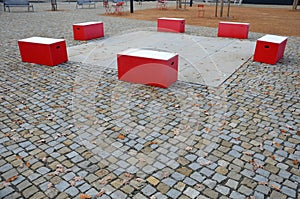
{"x": 210, "y": 183}
{"x": 263, "y": 189}
{"x": 236, "y": 195}
{"x": 191, "y": 193}
{"x": 169, "y": 181}
{"x": 197, "y": 176}
{"x": 72, "y": 191}
{"x": 222, "y": 189}
{"x": 118, "y": 195}
{"x": 207, "y": 172}
{"x": 148, "y": 190}
{"x": 6, "y": 191}
{"x": 245, "y": 190}
{"x": 219, "y": 178}
{"x": 62, "y": 186}
{"x": 173, "y": 193}
{"x": 288, "y": 191}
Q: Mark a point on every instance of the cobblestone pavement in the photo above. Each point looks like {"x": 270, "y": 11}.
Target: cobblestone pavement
{"x": 74, "y": 131}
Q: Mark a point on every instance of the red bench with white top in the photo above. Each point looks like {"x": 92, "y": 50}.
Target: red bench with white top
{"x": 171, "y": 25}
{"x": 269, "y": 49}
{"x": 154, "y": 68}
{"x": 88, "y": 30}
{"x": 42, "y": 50}
{"x": 233, "y": 30}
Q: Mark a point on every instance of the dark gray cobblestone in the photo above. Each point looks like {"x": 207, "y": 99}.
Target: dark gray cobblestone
{"x": 61, "y": 127}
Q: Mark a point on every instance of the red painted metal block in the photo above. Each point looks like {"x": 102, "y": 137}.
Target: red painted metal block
{"x": 149, "y": 67}
{"x": 45, "y": 51}
{"x": 171, "y": 25}
{"x": 233, "y": 30}
{"x": 269, "y": 49}
{"x": 88, "y": 30}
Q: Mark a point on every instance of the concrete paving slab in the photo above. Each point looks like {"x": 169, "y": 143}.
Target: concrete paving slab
{"x": 202, "y": 60}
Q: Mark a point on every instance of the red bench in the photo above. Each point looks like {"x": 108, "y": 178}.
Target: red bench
{"x": 269, "y": 49}
{"x": 88, "y": 30}
{"x": 171, "y": 25}
{"x": 233, "y": 30}
{"x": 45, "y": 51}
{"x": 154, "y": 68}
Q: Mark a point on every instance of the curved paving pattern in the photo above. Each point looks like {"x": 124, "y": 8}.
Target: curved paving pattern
{"x": 74, "y": 129}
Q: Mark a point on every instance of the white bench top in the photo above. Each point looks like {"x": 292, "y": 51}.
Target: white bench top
{"x": 87, "y": 23}
{"x": 166, "y": 18}
{"x": 41, "y": 40}
{"x": 272, "y": 39}
{"x": 238, "y": 23}
{"x": 152, "y": 54}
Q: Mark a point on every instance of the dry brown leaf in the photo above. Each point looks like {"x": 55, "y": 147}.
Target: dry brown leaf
{"x": 11, "y": 179}
{"x": 27, "y": 164}
{"x": 176, "y": 132}
{"x": 207, "y": 129}
{"x": 238, "y": 138}
{"x": 283, "y": 130}
{"x": 206, "y": 163}
{"x": 188, "y": 148}
{"x": 44, "y": 159}
{"x": 121, "y": 136}
{"x": 263, "y": 183}
{"x": 139, "y": 180}
{"x": 128, "y": 175}
{"x": 199, "y": 186}
{"x": 273, "y": 157}
{"x": 295, "y": 162}
{"x": 153, "y": 197}
{"x": 7, "y": 135}
{"x": 276, "y": 188}
{"x": 100, "y": 193}
{"x": 105, "y": 180}
{"x": 298, "y": 133}
{"x": 165, "y": 174}
{"x": 276, "y": 144}
{"x": 72, "y": 183}
{"x": 50, "y": 185}
{"x": 19, "y": 157}
{"x": 248, "y": 153}
{"x": 84, "y": 196}
{"x": 77, "y": 178}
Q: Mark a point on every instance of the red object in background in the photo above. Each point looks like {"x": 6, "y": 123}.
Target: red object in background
{"x": 233, "y": 30}
{"x": 171, "y": 25}
{"x": 88, "y": 30}
{"x": 154, "y": 68}
{"x": 45, "y": 51}
{"x": 269, "y": 49}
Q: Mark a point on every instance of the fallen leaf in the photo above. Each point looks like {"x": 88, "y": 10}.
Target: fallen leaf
{"x": 188, "y": 148}
{"x": 276, "y": 144}
{"x": 128, "y": 175}
{"x": 207, "y": 129}
{"x": 276, "y": 188}
{"x": 165, "y": 174}
{"x": 248, "y": 153}
{"x": 273, "y": 157}
{"x": 121, "y": 136}
{"x": 50, "y": 185}
{"x": 295, "y": 162}
{"x": 77, "y": 178}
{"x": 72, "y": 183}
{"x": 283, "y": 130}
{"x": 298, "y": 133}
{"x": 238, "y": 138}
{"x": 263, "y": 183}
{"x": 100, "y": 193}
{"x": 19, "y": 157}
{"x": 27, "y": 164}
{"x": 84, "y": 196}
{"x": 44, "y": 159}
{"x": 105, "y": 180}
{"x": 139, "y": 180}
{"x": 153, "y": 197}
{"x": 206, "y": 163}
{"x": 176, "y": 132}
{"x": 11, "y": 179}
